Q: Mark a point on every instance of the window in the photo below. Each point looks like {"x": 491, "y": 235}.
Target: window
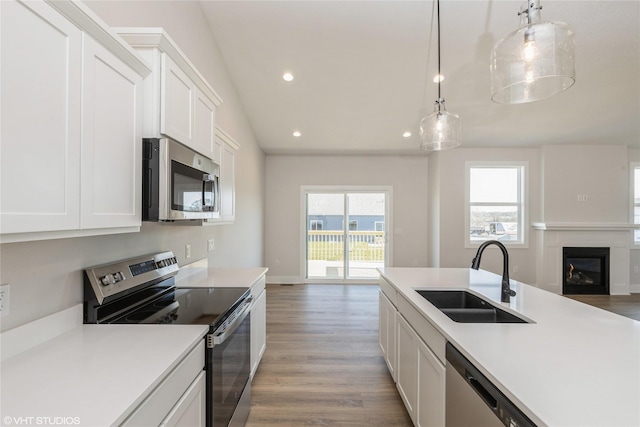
{"x": 495, "y": 202}
{"x": 315, "y": 224}
{"x": 379, "y": 226}
{"x": 635, "y": 182}
{"x": 353, "y": 225}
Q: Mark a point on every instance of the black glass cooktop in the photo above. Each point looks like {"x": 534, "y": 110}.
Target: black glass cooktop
{"x": 188, "y": 306}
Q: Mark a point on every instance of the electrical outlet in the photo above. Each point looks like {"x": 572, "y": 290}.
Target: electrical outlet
{"x": 277, "y": 261}
{"x": 5, "y": 300}
{"x": 515, "y": 268}
{"x": 210, "y": 244}
{"x": 187, "y": 251}
{"x": 415, "y": 262}
{"x": 635, "y": 269}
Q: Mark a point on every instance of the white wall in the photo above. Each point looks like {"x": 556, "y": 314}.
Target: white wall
{"x": 601, "y": 172}
{"x": 46, "y": 277}
{"x": 634, "y": 156}
{"x": 286, "y": 174}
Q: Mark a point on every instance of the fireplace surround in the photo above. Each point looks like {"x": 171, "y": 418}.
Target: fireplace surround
{"x": 585, "y": 270}
{"x": 553, "y": 237}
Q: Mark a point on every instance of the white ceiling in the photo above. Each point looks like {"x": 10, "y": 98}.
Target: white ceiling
{"x": 363, "y": 73}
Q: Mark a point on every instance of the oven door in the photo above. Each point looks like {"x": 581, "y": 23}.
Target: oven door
{"x": 228, "y": 362}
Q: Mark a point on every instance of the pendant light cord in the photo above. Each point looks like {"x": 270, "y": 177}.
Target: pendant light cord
{"x": 439, "y": 74}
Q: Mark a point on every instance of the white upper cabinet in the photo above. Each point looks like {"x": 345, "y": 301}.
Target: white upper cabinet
{"x": 112, "y": 135}
{"x": 177, "y": 99}
{"x": 228, "y": 148}
{"x": 204, "y": 126}
{"x": 70, "y": 140}
{"x": 41, "y": 67}
{"x": 179, "y": 102}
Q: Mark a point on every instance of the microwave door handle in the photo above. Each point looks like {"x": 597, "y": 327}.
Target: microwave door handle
{"x": 206, "y": 179}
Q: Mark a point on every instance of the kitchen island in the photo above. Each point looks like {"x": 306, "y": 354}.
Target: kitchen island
{"x": 573, "y": 365}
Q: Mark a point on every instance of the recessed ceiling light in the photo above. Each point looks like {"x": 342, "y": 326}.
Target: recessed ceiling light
{"x": 297, "y": 134}
{"x": 287, "y": 77}
{"x": 438, "y": 78}
{"x": 407, "y": 134}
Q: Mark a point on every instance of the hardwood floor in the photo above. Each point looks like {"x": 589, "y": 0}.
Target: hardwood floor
{"x": 625, "y": 305}
{"x": 323, "y": 365}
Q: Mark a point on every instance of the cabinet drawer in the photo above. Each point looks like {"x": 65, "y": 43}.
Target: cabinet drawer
{"x": 258, "y": 287}
{"x": 424, "y": 328}
{"x": 157, "y": 405}
{"x": 389, "y": 291}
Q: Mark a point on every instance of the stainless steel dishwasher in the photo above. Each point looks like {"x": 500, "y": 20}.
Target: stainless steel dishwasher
{"x": 472, "y": 400}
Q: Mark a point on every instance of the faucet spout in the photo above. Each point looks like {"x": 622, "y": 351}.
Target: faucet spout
{"x": 506, "y": 292}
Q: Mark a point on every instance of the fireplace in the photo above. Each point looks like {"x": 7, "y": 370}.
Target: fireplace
{"x": 585, "y": 270}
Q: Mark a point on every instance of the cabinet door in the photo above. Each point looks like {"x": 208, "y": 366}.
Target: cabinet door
{"x": 112, "y": 140}
{"x": 431, "y": 388}
{"x": 258, "y": 330}
{"x": 204, "y": 126}
{"x": 407, "y": 368}
{"x": 227, "y": 183}
{"x": 177, "y": 95}
{"x": 387, "y": 331}
{"x": 40, "y": 57}
{"x": 191, "y": 408}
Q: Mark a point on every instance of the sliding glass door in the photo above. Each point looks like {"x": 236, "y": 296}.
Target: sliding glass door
{"x": 345, "y": 233}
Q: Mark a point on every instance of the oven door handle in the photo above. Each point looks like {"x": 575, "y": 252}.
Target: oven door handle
{"x": 222, "y": 336}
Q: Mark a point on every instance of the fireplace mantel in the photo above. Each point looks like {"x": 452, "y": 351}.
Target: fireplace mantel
{"x": 584, "y": 226}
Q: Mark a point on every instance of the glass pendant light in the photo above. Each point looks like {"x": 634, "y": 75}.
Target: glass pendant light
{"x": 535, "y": 61}
{"x": 439, "y": 130}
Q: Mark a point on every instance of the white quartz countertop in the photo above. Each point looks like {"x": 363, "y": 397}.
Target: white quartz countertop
{"x": 577, "y": 365}
{"x": 213, "y": 277}
{"x": 92, "y": 375}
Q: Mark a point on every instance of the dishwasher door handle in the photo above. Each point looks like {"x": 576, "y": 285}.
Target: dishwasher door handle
{"x": 488, "y": 398}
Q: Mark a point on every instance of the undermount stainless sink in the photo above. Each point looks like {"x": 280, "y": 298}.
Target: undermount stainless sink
{"x": 465, "y": 307}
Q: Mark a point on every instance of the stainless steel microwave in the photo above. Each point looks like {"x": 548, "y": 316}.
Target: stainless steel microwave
{"x": 178, "y": 184}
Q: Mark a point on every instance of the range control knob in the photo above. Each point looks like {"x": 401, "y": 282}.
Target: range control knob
{"x": 118, "y": 276}
{"x": 107, "y": 280}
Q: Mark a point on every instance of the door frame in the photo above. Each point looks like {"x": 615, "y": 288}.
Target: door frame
{"x": 388, "y": 255}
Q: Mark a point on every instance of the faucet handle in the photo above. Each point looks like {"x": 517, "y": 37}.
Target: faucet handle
{"x": 510, "y": 292}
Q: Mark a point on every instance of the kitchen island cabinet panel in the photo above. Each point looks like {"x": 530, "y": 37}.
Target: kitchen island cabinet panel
{"x": 387, "y": 333}
{"x": 421, "y": 378}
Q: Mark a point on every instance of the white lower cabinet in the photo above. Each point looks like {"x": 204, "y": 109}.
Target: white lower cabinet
{"x": 191, "y": 408}
{"x": 387, "y": 328}
{"x": 258, "y": 324}
{"x": 179, "y": 398}
{"x": 420, "y": 377}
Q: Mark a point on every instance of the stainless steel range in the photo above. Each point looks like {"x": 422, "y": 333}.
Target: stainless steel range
{"x": 142, "y": 290}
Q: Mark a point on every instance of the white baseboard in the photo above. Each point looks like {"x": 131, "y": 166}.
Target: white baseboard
{"x": 285, "y": 280}
{"x": 634, "y": 288}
